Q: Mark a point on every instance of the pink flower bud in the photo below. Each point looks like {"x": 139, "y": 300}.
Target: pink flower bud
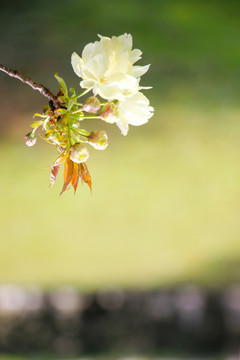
{"x": 98, "y": 140}
{"x": 91, "y": 105}
{"x": 79, "y": 153}
{"x": 30, "y": 139}
{"x": 109, "y": 113}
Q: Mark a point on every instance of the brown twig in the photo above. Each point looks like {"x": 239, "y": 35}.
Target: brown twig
{"x": 42, "y": 89}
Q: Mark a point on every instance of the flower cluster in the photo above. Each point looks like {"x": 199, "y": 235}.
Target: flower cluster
{"x": 107, "y": 68}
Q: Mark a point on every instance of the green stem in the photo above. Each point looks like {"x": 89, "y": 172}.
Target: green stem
{"x": 83, "y": 93}
{"x": 85, "y": 117}
{"x": 77, "y": 111}
{"x": 91, "y": 117}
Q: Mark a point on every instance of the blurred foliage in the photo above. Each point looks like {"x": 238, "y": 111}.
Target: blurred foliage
{"x": 165, "y": 208}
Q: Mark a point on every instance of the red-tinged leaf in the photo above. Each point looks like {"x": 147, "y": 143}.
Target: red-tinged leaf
{"x": 85, "y": 175}
{"x": 53, "y": 175}
{"x": 60, "y": 159}
{"x": 68, "y": 173}
{"x": 75, "y": 177}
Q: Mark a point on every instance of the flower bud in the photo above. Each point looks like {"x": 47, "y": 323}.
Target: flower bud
{"x": 91, "y": 105}
{"x": 30, "y": 139}
{"x": 98, "y": 140}
{"x": 109, "y": 113}
{"x": 79, "y": 153}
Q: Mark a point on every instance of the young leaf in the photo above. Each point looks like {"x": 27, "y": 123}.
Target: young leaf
{"x": 77, "y": 117}
{"x": 62, "y": 84}
{"x": 82, "y": 132}
{"x": 67, "y": 175}
{"x": 70, "y": 104}
{"x": 39, "y": 115}
{"x": 48, "y": 141}
{"x": 47, "y": 125}
{"x": 74, "y": 137}
{"x": 85, "y": 175}
{"x": 75, "y": 177}
{"x": 59, "y": 111}
{"x": 60, "y": 159}
{"x": 36, "y": 124}
{"x": 53, "y": 175}
{"x": 73, "y": 92}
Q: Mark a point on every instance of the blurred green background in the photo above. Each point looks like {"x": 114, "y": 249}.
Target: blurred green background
{"x": 165, "y": 207}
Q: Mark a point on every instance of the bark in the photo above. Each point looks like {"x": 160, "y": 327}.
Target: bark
{"x": 42, "y": 89}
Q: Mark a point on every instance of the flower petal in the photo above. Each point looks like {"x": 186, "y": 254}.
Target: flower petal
{"x": 123, "y": 126}
{"x": 77, "y": 64}
{"x": 108, "y": 91}
{"x": 90, "y": 50}
{"x": 127, "y": 84}
{"x": 96, "y": 66}
{"x": 135, "y": 110}
{"x": 135, "y": 55}
{"x": 140, "y": 70}
{"x": 145, "y": 87}
{"x": 125, "y": 41}
{"x": 87, "y": 84}
{"x": 103, "y": 37}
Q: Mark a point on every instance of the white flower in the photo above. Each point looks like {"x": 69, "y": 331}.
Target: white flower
{"x": 106, "y": 66}
{"x": 134, "y": 110}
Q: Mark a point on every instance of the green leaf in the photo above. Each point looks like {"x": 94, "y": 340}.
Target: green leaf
{"x": 47, "y": 125}
{"x": 46, "y": 109}
{"x": 70, "y": 104}
{"x": 81, "y": 132}
{"x": 74, "y": 138}
{"x": 62, "y": 84}
{"x": 73, "y": 92}
{"x": 48, "y": 141}
{"x": 60, "y": 111}
{"x": 36, "y": 124}
{"x": 78, "y": 116}
{"x": 39, "y": 115}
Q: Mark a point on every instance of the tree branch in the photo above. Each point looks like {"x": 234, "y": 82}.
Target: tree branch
{"x": 42, "y": 89}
